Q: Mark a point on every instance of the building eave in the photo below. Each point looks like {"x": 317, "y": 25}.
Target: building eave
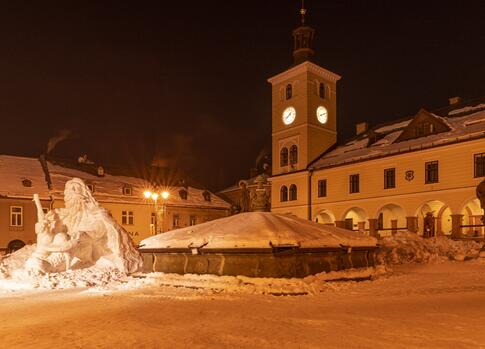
{"x": 301, "y": 68}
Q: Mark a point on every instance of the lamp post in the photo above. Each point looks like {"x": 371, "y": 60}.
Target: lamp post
{"x": 159, "y": 210}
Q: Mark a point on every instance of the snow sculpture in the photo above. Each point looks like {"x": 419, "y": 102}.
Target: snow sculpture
{"x": 80, "y": 235}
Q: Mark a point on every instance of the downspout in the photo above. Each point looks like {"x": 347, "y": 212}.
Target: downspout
{"x": 310, "y": 173}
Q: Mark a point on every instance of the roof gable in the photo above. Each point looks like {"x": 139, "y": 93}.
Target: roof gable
{"x": 423, "y": 124}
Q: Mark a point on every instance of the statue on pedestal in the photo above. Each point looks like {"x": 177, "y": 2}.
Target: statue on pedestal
{"x": 260, "y": 199}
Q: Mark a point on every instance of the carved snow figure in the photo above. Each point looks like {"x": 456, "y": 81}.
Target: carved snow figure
{"x": 81, "y": 234}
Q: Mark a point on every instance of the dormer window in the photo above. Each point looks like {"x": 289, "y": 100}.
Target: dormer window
{"x": 27, "y": 183}
{"x": 289, "y": 91}
{"x": 128, "y": 191}
{"x": 100, "y": 171}
{"x": 207, "y": 196}
{"x": 183, "y": 194}
{"x": 424, "y": 129}
{"x": 90, "y": 187}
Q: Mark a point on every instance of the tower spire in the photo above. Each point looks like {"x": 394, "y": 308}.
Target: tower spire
{"x": 303, "y": 39}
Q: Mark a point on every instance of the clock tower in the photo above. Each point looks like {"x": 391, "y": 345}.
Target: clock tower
{"x": 304, "y": 122}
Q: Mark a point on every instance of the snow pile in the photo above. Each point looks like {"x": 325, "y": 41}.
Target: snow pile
{"x": 14, "y": 276}
{"x": 257, "y": 230}
{"x": 406, "y": 247}
{"x": 213, "y": 284}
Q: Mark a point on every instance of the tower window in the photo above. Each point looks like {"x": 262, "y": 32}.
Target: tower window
{"x": 289, "y": 91}
{"x": 431, "y": 172}
{"x": 354, "y": 183}
{"x": 321, "y": 90}
{"x": 284, "y": 157}
{"x": 284, "y": 193}
{"x": 479, "y": 165}
{"x": 293, "y": 192}
{"x": 322, "y": 188}
{"x": 389, "y": 178}
{"x": 293, "y": 154}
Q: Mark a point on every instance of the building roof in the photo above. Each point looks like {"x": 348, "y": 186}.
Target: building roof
{"x": 22, "y": 177}
{"x": 109, "y": 188}
{"x": 462, "y": 122}
{"x": 249, "y": 182}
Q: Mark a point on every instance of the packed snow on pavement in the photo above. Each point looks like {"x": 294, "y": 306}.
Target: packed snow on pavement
{"x": 428, "y": 294}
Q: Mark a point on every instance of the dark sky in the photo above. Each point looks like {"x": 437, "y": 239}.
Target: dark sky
{"x": 187, "y": 79}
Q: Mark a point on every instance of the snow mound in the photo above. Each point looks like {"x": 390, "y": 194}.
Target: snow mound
{"x": 13, "y": 276}
{"x": 257, "y": 230}
{"x": 407, "y": 247}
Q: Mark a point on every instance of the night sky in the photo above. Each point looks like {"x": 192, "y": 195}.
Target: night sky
{"x": 186, "y": 80}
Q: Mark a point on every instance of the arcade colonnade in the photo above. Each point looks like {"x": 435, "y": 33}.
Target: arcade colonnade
{"x": 456, "y": 214}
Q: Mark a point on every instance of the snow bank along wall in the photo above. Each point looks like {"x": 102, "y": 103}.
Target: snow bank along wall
{"x": 257, "y": 245}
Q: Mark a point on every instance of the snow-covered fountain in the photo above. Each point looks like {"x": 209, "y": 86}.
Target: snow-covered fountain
{"x": 80, "y": 244}
{"x": 258, "y": 244}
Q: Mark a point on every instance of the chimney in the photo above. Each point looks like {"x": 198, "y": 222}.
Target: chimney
{"x": 454, "y": 100}
{"x": 361, "y": 127}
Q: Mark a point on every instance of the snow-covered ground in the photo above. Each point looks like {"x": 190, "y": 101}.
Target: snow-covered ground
{"x": 430, "y": 294}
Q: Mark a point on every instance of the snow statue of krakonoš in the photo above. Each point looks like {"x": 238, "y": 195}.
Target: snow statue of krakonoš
{"x": 80, "y": 235}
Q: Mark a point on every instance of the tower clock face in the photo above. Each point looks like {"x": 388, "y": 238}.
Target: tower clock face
{"x": 289, "y": 115}
{"x": 322, "y": 114}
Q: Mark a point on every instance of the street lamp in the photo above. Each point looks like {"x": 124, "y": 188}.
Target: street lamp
{"x": 159, "y": 211}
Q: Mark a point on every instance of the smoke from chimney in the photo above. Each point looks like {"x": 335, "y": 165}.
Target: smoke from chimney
{"x": 53, "y": 141}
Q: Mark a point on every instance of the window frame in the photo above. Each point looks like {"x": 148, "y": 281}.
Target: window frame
{"x": 19, "y": 216}
{"x": 127, "y": 191}
{"x": 322, "y": 90}
{"x": 429, "y": 171}
{"x": 391, "y": 178}
{"x": 289, "y": 91}
{"x": 127, "y": 217}
{"x": 354, "y": 183}
{"x": 293, "y": 192}
{"x": 479, "y": 165}
{"x": 322, "y": 188}
{"x": 176, "y": 220}
{"x": 193, "y": 220}
{"x": 293, "y": 155}
{"x": 283, "y": 193}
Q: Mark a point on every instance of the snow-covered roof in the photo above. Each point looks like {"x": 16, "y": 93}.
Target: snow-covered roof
{"x": 249, "y": 182}
{"x": 258, "y": 230}
{"x": 464, "y": 124}
{"x": 109, "y": 188}
{"x": 22, "y": 177}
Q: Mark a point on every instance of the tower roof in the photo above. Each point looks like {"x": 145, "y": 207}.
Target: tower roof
{"x": 303, "y": 39}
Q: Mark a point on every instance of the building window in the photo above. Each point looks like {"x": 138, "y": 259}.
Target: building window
{"x": 321, "y": 90}
{"x": 128, "y": 191}
{"x": 176, "y": 221}
{"x": 284, "y": 157}
{"x": 424, "y": 129}
{"x": 16, "y": 216}
{"x": 479, "y": 165}
{"x": 431, "y": 172}
{"x": 90, "y": 187}
{"x": 27, "y": 183}
{"x": 289, "y": 91}
{"x": 193, "y": 220}
{"x": 206, "y": 195}
{"x": 284, "y": 193}
{"x": 293, "y": 192}
{"x": 354, "y": 183}
{"x": 183, "y": 194}
{"x": 127, "y": 217}
{"x": 293, "y": 154}
{"x": 322, "y": 188}
{"x": 389, "y": 178}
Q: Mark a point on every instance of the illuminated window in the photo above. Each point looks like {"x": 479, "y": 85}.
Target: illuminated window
{"x": 293, "y": 154}
{"x": 193, "y": 220}
{"x": 389, "y": 178}
{"x": 354, "y": 183}
{"x": 431, "y": 172}
{"x": 127, "y": 217}
{"x": 176, "y": 221}
{"x": 479, "y": 165}
{"x": 289, "y": 91}
{"x": 284, "y": 193}
{"x": 293, "y": 192}
{"x": 322, "y": 188}
{"x": 16, "y": 216}
{"x": 284, "y": 157}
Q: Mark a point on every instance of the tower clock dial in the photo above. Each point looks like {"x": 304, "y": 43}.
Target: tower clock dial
{"x": 289, "y": 115}
{"x": 322, "y": 114}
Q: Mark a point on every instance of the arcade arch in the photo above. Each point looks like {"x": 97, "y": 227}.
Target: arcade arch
{"x": 472, "y": 215}
{"x": 442, "y": 214}
{"x": 356, "y": 218}
{"x": 325, "y": 217}
{"x": 390, "y": 216}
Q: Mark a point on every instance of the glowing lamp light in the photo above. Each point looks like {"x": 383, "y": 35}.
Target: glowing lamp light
{"x": 147, "y": 194}
{"x": 154, "y": 196}
{"x": 165, "y": 195}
